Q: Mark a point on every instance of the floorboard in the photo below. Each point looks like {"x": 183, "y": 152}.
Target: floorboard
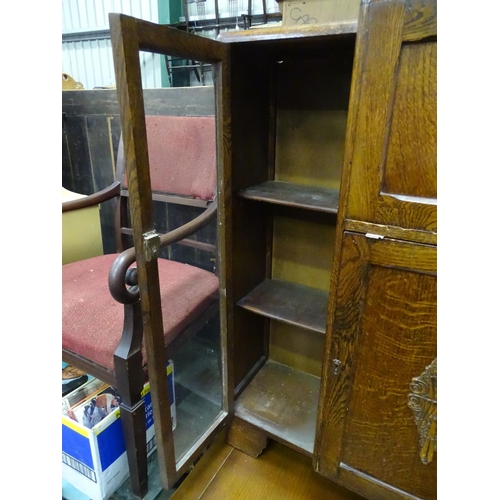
{"x": 279, "y": 473}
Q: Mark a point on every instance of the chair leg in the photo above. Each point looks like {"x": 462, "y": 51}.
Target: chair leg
{"x": 134, "y": 430}
{"x": 129, "y": 383}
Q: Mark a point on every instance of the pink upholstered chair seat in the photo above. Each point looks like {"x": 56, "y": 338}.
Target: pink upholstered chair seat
{"x": 89, "y": 307}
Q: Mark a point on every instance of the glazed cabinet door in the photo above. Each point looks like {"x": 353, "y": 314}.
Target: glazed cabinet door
{"x": 391, "y": 141}
{"x": 377, "y": 418}
{"x": 176, "y": 450}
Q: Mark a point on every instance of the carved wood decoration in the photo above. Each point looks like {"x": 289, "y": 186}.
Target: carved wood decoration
{"x": 423, "y": 401}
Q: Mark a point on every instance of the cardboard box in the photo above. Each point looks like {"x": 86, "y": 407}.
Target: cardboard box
{"x": 94, "y": 461}
{"x": 301, "y": 12}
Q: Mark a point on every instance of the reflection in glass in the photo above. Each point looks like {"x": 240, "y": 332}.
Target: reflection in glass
{"x": 198, "y": 386}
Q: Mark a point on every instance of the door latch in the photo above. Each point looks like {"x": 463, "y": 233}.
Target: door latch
{"x": 151, "y": 245}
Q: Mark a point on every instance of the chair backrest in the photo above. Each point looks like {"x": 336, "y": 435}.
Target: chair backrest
{"x": 183, "y": 172}
{"x": 182, "y": 156}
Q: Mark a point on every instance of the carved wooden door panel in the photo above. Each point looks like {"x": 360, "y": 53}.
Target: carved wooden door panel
{"x": 377, "y": 422}
{"x": 391, "y": 161}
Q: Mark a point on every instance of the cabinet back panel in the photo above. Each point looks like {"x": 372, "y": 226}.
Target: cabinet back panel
{"x": 322, "y": 83}
{"x": 296, "y": 347}
{"x": 312, "y": 100}
{"x": 310, "y": 146}
{"x": 302, "y": 251}
{"x": 397, "y": 342}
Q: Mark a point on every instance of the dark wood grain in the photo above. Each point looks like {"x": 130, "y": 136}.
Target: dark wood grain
{"x": 336, "y": 379}
{"x": 397, "y": 341}
{"x": 375, "y": 68}
{"x": 369, "y": 486}
{"x": 102, "y": 151}
{"x": 383, "y": 334}
{"x": 391, "y": 154}
{"x": 282, "y": 403}
{"x": 246, "y": 437}
{"x": 163, "y": 39}
{"x": 396, "y": 232}
{"x": 412, "y": 143}
{"x": 76, "y": 102}
{"x": 67, "y": 173}
{"x": 289, "y": 302}
{"x": 420, "y": 20}
{"x": 174, "y": 101}
{"x": 78, "y": 151}
{"x": 223, "y": 101}
{"x": 294, "y": 195}
{"x": 404, "y": 255}
{"x": 382, "y": 312}
{"x": 128, "y": 80}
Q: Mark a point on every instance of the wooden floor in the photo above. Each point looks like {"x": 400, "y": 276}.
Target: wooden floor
{"x": 279, "y": 473}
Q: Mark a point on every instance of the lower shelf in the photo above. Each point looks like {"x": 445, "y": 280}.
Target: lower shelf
{"x": 283, "y": 403}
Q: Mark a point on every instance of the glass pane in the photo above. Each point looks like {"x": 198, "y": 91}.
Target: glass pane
{"x": 198, "y": 386}
{"x": 181, "y": 132}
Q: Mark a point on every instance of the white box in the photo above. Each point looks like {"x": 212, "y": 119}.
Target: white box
{"x": 94, "y": 460}
{"x": 301, "y": 12}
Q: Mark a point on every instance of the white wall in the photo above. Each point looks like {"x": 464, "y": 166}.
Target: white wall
{"x": 87, "y": 55}
{"x": 84, "y": 15}
{"x": 90, "y": 60}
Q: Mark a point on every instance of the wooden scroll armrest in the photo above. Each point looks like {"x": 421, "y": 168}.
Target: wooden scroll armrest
{"x": 93, "y": 199}
{"x": 120, "y": 275}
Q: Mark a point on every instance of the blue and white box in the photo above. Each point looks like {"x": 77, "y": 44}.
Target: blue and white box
{"x": 94, "y": 461}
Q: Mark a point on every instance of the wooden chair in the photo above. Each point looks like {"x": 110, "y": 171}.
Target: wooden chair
{"x": 102, "y": 320}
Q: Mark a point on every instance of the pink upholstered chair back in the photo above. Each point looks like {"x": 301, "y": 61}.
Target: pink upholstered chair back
{"x": 182, "y": 155}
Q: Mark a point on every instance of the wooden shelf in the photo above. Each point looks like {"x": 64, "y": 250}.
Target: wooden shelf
{"x": 289, "y": 302}
{"x": 283, "y": 403}
{"x": 294, "y": 195}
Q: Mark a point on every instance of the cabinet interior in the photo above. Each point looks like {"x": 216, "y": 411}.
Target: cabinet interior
{"x": 288, "y": 139}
